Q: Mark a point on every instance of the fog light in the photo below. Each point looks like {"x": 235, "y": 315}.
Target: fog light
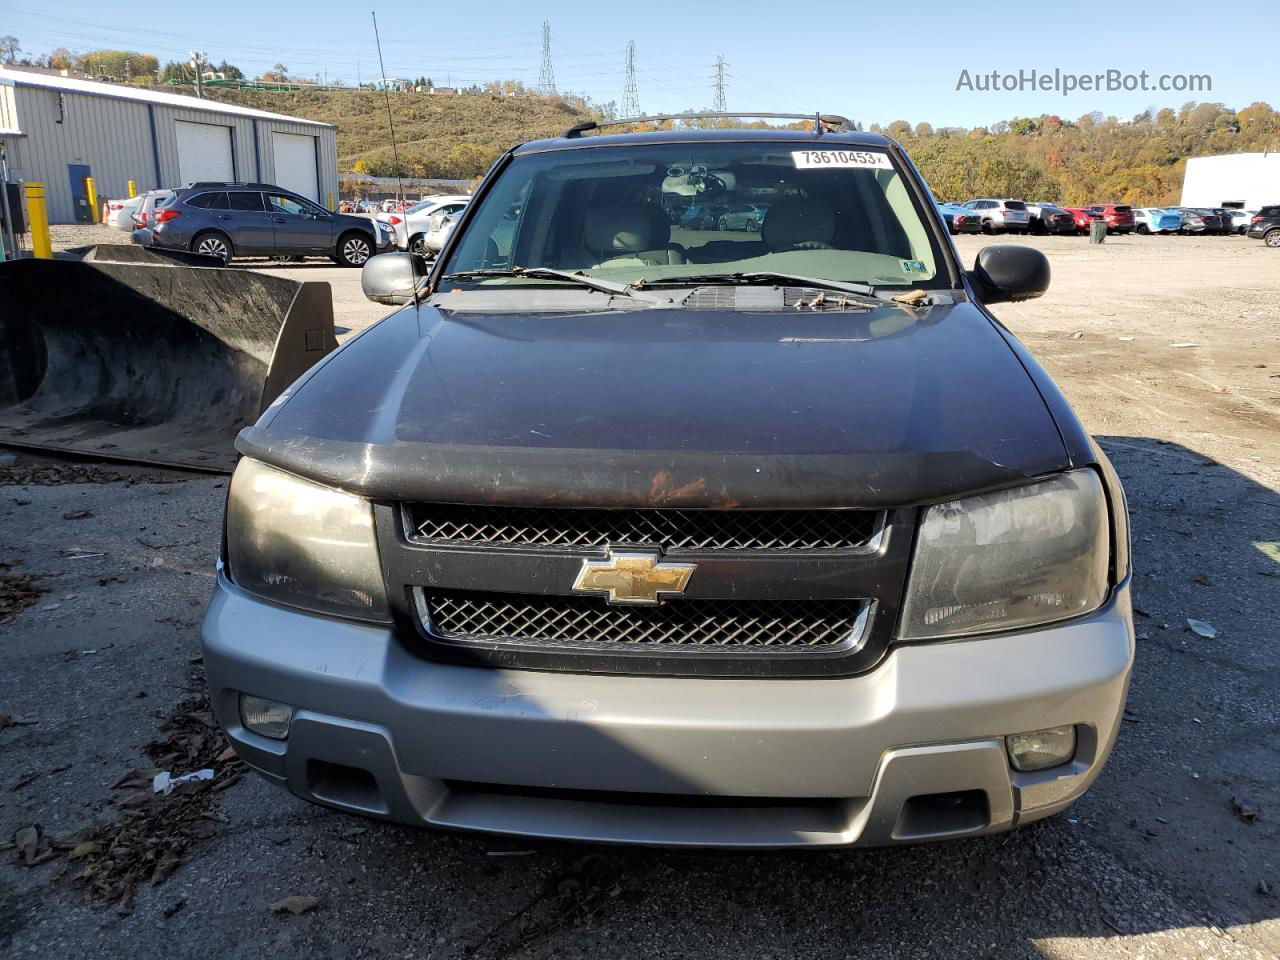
{"x": 267, "y": 718}
{"x": 1041, "y": 749}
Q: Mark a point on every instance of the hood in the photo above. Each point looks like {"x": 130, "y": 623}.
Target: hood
{"x": 654, "y": 407}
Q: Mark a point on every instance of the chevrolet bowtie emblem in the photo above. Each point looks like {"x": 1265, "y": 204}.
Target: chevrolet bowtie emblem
{"x": 633, "y": 577}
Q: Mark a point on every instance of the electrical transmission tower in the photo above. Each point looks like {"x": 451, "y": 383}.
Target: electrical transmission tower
{"x": 630, "y": 96}
{"x": 719, "y": 104}
{"x": 547, "y": 75}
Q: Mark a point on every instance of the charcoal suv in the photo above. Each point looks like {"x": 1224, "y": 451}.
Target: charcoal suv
{"x": 226, "y": 220}
{"x": 625, "y": 531}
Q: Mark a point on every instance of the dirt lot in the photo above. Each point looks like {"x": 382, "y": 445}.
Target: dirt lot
{"x": 1168, "y": 348}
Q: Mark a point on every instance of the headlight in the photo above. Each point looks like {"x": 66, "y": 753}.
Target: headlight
{"x": 1015, "y": 558}
{"x": 304, "y": 545}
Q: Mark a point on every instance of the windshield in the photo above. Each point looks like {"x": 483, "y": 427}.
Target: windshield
{"x": 660, "y": 212}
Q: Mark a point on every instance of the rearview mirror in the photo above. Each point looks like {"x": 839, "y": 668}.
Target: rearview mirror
{"x": 1007, "y": 273}
{"x": 389, "y": 278}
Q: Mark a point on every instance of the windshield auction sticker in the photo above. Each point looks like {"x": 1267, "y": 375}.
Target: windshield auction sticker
{"x": 865, "y": 159}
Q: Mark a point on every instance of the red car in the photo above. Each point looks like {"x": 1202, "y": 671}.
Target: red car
{"x": 1119, "y": 216}
{"x": 1082, "y": 218}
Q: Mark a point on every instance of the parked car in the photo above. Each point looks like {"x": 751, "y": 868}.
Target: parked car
{"x": 120, "y": 212}
{"x": 1192, "y": 222}
{"x": 439, "y": 226}
{"x": 772, "y": 560}
{"x": 1001, "y": 215}
{"x": 1050, "y": 218}
{"x": 227, "y": 220}
{"x": 142, "y": 217}
{"x": 1265, "y": 226}
{"x": 1240, "y": 220}
{"x": 959, "y": 218}
{"x": 1156, "y": 220}
{"x": 368, "y": 206}
{"x": 1212, "y": 220}
{"x": 409, "y": 228}
{"x": 1119, "y": 216}
{"x": 742, "y": 216}
{"x": 1082, "y": 218}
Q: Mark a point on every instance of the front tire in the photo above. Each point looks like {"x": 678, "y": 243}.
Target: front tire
{"x": 354, "y": 250}
{"x": 418, "y": 246}
{"x": 722, "y": 224}
{"x": 211, "y": 243}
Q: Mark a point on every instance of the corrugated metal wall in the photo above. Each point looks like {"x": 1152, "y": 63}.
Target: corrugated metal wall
{"x": 113, "y": 137}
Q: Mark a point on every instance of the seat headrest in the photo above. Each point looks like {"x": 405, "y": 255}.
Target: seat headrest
{"x": 622, "y": 228}
{"x": 791, "y": 222}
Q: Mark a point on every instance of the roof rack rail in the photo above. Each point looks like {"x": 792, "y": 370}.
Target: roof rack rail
{"x": 822, "y": 122}
{"x": 234, "y": 183}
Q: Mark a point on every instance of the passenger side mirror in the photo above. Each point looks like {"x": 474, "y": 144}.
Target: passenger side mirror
{"x": 390, "y": 278}
{"x": 1007, "y": 273}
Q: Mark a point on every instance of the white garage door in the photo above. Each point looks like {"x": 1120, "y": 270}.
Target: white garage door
{"x": 204, "y": 152}
{"x": 295, "y": 156}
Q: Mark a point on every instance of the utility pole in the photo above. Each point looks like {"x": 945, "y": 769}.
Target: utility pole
{"x": 197, "y": 64}
{"x": 718, "y": 104}
{"x": 630, "y": 95}
{"x": 547, "y": 75}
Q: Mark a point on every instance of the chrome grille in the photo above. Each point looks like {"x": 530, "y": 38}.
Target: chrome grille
{"x": 670, "y": 529}
{"x": 580, "y": 622}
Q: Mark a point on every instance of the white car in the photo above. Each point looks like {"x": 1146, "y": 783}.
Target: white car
{"x": 411, "y": 227}
{"x": 120, "y": 212}
{"x": 994, "y": 214}
{"x": 1240, "y": 220}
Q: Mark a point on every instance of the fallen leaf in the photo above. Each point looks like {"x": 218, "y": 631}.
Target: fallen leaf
{"x": 1244, "y": 810}
{"x": 295, "y": 905}
{"x": 77, "y": 514}
{"x": 83, "y": 849}
{"x": 174, "y": 907}
{"x": 1202, "y": 628}
{"x": 1200, "y": 579}
{"x": 27, "y": 840}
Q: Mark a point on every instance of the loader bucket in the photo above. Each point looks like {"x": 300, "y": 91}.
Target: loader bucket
{"x": 157, "y": 364}
{"x": 135, "y": 253}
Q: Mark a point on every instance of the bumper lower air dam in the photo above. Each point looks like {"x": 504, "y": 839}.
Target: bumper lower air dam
{"x": 912, "y": 750}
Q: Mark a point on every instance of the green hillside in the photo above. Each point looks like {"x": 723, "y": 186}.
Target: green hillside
{"x": 439, "y": 135}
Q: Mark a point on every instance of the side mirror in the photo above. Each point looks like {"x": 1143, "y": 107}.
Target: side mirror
{"x": 1007, "y": 273}
{"x": 389, "y": 278}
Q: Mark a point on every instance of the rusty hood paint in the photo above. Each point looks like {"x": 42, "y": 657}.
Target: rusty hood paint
{"x": 873, "y": 408}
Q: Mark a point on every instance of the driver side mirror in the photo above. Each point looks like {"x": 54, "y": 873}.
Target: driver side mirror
{"x": 1007, "y": 273}
{"x": 390, "y": 278}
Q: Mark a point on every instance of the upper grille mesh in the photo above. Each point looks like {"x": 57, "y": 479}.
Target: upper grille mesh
{"x": 585, "y": 621}
{"x": 671, "y": 529}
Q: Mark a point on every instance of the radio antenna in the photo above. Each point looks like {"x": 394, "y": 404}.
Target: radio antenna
{"x": 391, "y": 125}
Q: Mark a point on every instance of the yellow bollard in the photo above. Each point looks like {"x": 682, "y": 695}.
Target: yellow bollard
{"x": 331, "y": 201}
{"x": 133, "y": 188}
{"x": 38, "y": 221}
{"x": 91, "y": 189}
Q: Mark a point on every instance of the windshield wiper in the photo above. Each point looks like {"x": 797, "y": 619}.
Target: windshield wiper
{"x": 765, "y": 276}
{"x": 547, "y": 273}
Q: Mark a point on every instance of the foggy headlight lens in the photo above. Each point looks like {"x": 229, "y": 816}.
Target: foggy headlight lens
{"x": 302, "y": 544}
{"x": 1013, "y": 558}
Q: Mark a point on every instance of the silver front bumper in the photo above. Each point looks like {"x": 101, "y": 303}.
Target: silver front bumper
{"x": 912, "y": 750}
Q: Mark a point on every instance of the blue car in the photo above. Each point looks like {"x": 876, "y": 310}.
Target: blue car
{"x": 960, "y": 219}
{"x": 1157, "y": 220}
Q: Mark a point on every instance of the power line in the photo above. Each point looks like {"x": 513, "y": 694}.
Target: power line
{"x": 630, "y": 95}
{"x": 547, "y": 75}
{"x": 718, "y": 103}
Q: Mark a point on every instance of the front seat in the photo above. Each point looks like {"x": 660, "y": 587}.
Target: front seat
{"x": 622, "y": 234}
{"x": 798, "y": 225}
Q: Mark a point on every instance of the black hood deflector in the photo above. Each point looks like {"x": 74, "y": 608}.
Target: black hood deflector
{"x": 650, "y": 408}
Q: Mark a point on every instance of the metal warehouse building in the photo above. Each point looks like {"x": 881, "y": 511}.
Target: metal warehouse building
{"x": 72, "y": 129}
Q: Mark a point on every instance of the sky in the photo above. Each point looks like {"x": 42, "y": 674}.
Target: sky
{"x": 872, "y": 62}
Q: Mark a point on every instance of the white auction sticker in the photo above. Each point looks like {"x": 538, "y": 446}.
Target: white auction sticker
{"x": 865, "y": 159}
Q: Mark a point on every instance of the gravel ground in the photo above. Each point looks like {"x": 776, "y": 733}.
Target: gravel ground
{"x": 1162, "y": 859}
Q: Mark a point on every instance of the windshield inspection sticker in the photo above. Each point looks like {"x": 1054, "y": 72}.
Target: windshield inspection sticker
{"x": 864, "y": 159}
{"x": 913, "y": 266}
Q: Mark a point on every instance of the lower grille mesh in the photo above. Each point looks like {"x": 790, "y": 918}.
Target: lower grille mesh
{"x": 587, "y": 622}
